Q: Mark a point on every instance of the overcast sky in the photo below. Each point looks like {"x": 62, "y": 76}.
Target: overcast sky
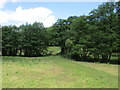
{"x": 15, "y": 12}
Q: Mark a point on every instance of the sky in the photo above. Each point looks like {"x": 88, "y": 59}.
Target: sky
{"x": 17, "y": 13}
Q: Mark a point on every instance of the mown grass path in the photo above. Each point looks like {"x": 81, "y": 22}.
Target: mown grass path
{"x": 57, "y": 72}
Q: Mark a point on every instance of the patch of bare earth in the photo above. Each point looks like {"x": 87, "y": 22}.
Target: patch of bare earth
{"x": 56, "y": 70}
{"x": 67, "y": 79}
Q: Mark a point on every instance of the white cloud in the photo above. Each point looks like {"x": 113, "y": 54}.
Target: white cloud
{"x": 14, "y": 0}
{"x": 21, "y": 16}
{"x": 2, "y": 3}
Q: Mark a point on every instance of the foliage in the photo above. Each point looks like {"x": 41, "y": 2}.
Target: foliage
{"x": 98, "y": 33}
{"x": 30, "y": 39}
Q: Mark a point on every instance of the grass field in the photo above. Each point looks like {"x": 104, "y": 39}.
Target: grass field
{"x": 57, "y": 72}
{"x": 54, "y": 50}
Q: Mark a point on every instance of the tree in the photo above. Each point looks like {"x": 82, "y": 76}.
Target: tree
{"x": 34, "y": 39}
{"x": 60, "y": 27}
{"x": 9, "y": 40}
{"x": 30, "y": 39}
{"x": 104, "y": 37}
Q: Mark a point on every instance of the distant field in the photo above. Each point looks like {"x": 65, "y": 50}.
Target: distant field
{"x": 57, "y": 72}
{"x": 54, "y": 50}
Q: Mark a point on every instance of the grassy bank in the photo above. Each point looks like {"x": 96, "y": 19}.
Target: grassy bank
{"x": 57, "y": 72}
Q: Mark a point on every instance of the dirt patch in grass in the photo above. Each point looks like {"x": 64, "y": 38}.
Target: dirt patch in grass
{"x": 67, "y": 79}
{"x": 56, "y": 70}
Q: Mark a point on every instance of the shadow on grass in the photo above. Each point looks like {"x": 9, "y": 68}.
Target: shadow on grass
{"x": 112, "y": 61}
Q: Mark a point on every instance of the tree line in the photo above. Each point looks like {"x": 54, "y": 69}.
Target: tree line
{"x": 96, "y": 35}
{"x": 29, "y": 39}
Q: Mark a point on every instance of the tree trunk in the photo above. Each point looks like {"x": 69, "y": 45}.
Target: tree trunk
{"x": 109, "y": 57}
{"x": 20, "y": 52}
{"x": 62, "y": 50}
{"x": 118, "y": 56}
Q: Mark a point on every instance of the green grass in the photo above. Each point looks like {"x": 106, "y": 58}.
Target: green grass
{"x": 57, "y": 72}
{"x": 54, "y": 50}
